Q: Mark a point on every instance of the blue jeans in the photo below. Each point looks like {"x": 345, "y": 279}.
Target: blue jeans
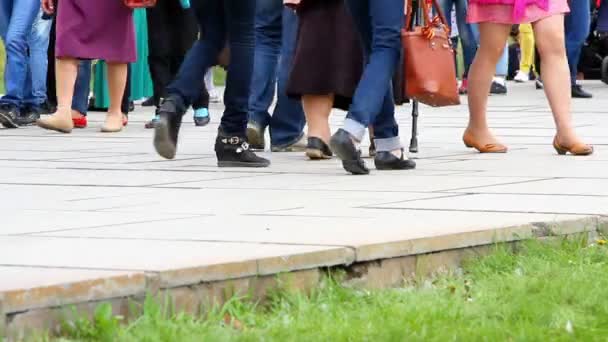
{"x": 577, "y": 24}
{"x": 35, "y": 85}
{"x": 21, "y": 15}
{"x": 379, "y": 24}
{"x": 82, "y": 88}
{"x": 221, "y": 20}
{"x": 275, "y": 37}
{"x": 465, "y": 30}
{"x": 602, "y": 20}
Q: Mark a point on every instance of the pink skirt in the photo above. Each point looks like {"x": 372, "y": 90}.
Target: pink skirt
{"x": 503, "y": 14}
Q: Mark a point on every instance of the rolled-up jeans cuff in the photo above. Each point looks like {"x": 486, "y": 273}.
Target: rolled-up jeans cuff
{"x": 388, "y": 144}
{"x": 355, "y": 129}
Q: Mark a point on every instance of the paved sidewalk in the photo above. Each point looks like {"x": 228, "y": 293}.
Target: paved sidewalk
{"x": 90, "y": 206}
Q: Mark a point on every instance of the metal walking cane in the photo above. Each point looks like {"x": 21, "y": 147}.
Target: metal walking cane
{"x": 415, "y": 105}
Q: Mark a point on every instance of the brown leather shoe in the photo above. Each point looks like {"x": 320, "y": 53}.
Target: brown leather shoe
{"x": 470, "y": 142}
{"x": 56, "y": 123}
{"x": 576, "y": 149}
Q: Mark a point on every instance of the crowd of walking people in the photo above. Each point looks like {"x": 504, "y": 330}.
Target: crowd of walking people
{"x": 310, "y": 55}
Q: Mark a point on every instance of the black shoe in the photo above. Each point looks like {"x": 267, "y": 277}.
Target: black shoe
{"x": 539, "y": 84}
{"x": 387, "y": 161}
{"x": 131, "y": 106}
{"x": 166, "y": 129}
{"x": 29, "y": 115}
{"x": 605, "y": 69}
{"x": 233, "y": 151}
{"x": 255, "y": 136}
{"x": 149, "y": 102}
{"x": 372, "y": 149}
{"x": 579, "y": 93}
{"x": 9, "y": 115}
{"x": 47, "y": 108}
{"x": 316, "y": 149}
{"x": 498, "y": 89}
{"x": 342, "y": 144}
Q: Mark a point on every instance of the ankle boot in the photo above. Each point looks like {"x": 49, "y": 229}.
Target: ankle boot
{"x": 233, "y": 151}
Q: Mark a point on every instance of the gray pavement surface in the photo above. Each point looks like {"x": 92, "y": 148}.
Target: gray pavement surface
{"x": 90, "y": 205}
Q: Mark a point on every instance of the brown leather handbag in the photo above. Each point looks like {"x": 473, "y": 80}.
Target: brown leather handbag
{"x": 430, "y": 73}
{"x": 139, "y": 3}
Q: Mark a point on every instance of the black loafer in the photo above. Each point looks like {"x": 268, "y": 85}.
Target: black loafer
{"x": 387, "y": 161}
{"x": 316, "y": 149}
{"x": 166, "y": 129}
{"x": 579, "y": 93}
{"x": 342, "y": 144}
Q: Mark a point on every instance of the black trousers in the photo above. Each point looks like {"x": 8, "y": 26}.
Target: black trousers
{"x": 171, "y": 33}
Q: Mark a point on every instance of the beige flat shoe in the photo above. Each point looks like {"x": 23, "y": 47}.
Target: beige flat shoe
{"x": 56, "y": 123}
{"x": 470, "y": 142}
{"x": 576, "y": 149}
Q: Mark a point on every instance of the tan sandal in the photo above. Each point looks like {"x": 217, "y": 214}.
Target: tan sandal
{"x": 470, "y": 142}
{"x": 55, "y": 123}
{"x": 576, "y": 149}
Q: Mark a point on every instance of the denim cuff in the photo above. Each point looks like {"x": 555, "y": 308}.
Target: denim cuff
{"x": 355, "y": 129}
{"x": 388, "y": 144}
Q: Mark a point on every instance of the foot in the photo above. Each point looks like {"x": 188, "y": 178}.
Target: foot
{"x": 201, "y": 117}
{"x": 298, "y": 146}
{"x": 233, "y": 151}
{"x": 149, "y": 102}
{"x": 343, "y": 145}
{"x": 572, "y": 145}
{"x": 385, "y": 160}
{"x": 57, "y": 122}
{"x": 317, "y": 149}
{"x": 152, "y": 123}
{"x": 483, "y": 141}
{"x": 9, "y": 115}
{"x": 166, "y": 130}
{"x": 579, "y": 93}
{"x": 113, "y": 123}
{"x": 29, "y": 115}
{"x": 499, "y": 86}
{"x": 522, "y": 77}
{"x": 255, "y": 136}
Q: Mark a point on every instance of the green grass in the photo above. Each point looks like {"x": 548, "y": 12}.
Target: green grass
{"x": 545, "y": 292}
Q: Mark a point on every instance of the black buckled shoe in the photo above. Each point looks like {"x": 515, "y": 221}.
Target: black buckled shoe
{"x": 166, "y": 129}
{"x": 388, "y": 161}
{"x": 342, "y": 145}
{"x": 8, "y": 116}
{"x": 579, "y": 93}
{"x": 28, "y": 116}
{"x": 316, "y": 149}
{"x": 233, "y": 151}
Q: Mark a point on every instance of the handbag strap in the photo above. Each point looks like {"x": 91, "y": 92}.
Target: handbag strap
{"x": 424, "y": 6}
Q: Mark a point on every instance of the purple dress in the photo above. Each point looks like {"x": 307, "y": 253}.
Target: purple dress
{"x": 95, "y": 29}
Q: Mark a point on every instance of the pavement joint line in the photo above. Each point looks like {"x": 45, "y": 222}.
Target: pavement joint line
{"x": 526, "y": 194}
{"x": 500, "y": 184}
{"x": 72, "y": 185}
{"x": 245, "y": 242}
{"x": 107, "y": 225}
{"x": 454, "y": 195}
{"x": 78, "y": 268}
{"x": 490, "y": 211}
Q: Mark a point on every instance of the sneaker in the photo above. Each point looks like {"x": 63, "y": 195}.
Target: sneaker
{"x": 464, "y": 87}
{"x": 28, "y": 116}
{"x": 579, "y": 93}
{"x": 255, "y": 136}
{"x": 47, "y": 108}
{"x": 201, "y": 117}
{"x": 234, "y": 151}
{"x": 149, "y": 102}
{"x": 522, "y": 77}
{"x": 9, "y": 115}
{"x": 298, "y": 146}
{"x": 499, "y": 86}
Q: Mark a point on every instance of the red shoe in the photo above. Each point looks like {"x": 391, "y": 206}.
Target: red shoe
{"x": 125, "y": 120}
{"x": 80, "y": 122}
{"x": 464, "y": 87}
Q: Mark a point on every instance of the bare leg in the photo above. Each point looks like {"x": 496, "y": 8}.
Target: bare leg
{"x": 556, "y": 75}
{"x": 317, "y": 109}
{"x": 492, "y": 43}
{"x": 117, "y": 80}
{"x": 66, "y": 73}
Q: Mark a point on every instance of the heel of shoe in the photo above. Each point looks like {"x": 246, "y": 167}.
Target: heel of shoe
{"x": 561, "y": 151}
